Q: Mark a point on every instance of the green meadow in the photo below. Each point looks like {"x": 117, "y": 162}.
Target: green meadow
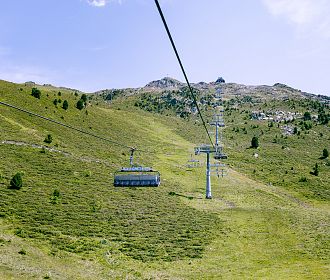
{"x": 268, "y": 219}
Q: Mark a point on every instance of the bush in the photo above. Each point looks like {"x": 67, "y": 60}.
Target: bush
{"x": 255, "y": 142}
{"x": 22, "y": 252}
{"x": 323, "y": 118}
{"x": 303, "y": 179}
{"x": 65, "y": 105}
{"x": 84, "y": 98}
{"x": 316, "y": 170}
{"x": 48, "y": 139}
{"x": 55, "y": 197}
{"x": 16, "y": 182}
{"x": 307, "y": 125}
{"x": 36, "y": 93}
{"x": 307, "y": 116}
{"x": 56, "y": 193}
{"x": 80, "y": 104}
{"x": 325, "y": 153}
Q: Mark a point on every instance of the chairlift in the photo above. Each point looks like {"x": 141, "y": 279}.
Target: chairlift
{"x": 219, "y": 154}
{"x": 221, "y": 173}
{"x": 193, "y": 163}
{"x": 136, "y": 176}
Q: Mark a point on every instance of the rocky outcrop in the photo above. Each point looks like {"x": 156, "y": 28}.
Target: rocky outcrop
{"x": 165, "y": 83}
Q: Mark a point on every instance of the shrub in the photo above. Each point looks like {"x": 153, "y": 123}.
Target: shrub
{"x": 303, "y": 179}
{"x": 80, "y": 104}
{"x": 307, "y": 116}
{"x": 56, "y": 193}
{"x": 84, "y": 98}
{"x": 55, "y": 197}
{"x": 22, "y": 252}
{"x": 255, "y": 142}
{"x": 307, "y": 125}
{"x": 316, "y": 170}
{"x": 325, "y": 153}
{"x": 323, "y": 118}
{"x": 48, "y": 139}
{"x": 36, "y": 93}
{"x": 65, "y": 105}
{"x": 16, "y": 182}
{"x": 55, "y": 102}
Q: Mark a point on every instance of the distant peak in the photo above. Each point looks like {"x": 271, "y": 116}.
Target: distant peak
{"x": 166, "y": 82}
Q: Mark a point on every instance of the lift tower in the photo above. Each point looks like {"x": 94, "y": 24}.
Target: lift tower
{"x": 217, "y": 149}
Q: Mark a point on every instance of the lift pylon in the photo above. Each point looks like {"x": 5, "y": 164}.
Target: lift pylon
{"x": 218, "y": 149}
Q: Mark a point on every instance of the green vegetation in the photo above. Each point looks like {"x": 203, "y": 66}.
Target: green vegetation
{"x": 84, "y": 98}
{"x": 254, "y": 142}
{"x": 36, "y": 93}
{"x": 22, "y": 252}
{"x": 268, "y": 218}
{"x": 16, "y": 182}
{"x": 307, "y": 116}
{"x": 65, "y": 105}
{"x": 80, "y": 104}
{"x": 316, "y": 170}
{"x": 48, "y": 139}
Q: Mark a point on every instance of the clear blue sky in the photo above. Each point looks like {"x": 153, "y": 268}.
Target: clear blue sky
{"x": 97, "y": 44}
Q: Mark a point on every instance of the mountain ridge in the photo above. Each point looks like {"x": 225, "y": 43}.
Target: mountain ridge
{"x": 231, "y": 89}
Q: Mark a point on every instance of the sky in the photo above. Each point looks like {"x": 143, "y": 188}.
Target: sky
{"x": 97, "y": 44}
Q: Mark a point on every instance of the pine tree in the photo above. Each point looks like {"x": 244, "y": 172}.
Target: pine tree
{"x": 80, "y": 104}
{"x": 307, "y": 116}
{"x": 16, "y": 182}
{"x": 316, "y": 170}
{"x": 84, "y": 98}
{"x": 36, "y": 93}
{"x": 65, "y": 105}
{"x": 255, "y": 142}
{"x": 48, "y": 139}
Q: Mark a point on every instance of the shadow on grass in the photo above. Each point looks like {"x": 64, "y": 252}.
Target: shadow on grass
{"x": 182, "y": 195}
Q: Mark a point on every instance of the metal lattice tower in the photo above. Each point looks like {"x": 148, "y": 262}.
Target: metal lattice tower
{"x": 217, "y": 150}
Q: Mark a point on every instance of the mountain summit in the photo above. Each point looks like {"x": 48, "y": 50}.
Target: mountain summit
{"x": 167, "y": 82}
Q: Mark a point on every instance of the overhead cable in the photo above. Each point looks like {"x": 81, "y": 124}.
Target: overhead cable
{"x": 69, "y": 126}
{"x": 182, "y": 69}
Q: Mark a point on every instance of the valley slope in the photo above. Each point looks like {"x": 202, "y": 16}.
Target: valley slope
{"x": 264, "y": 222}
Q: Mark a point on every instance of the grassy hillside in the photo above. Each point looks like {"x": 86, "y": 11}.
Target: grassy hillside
{"x": 69, "y": 222}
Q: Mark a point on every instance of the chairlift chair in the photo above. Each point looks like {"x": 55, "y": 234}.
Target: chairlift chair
{"x": 193, "y": 163}
{"x": 219, "y": 154}
{"x": 136, "y": 176}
